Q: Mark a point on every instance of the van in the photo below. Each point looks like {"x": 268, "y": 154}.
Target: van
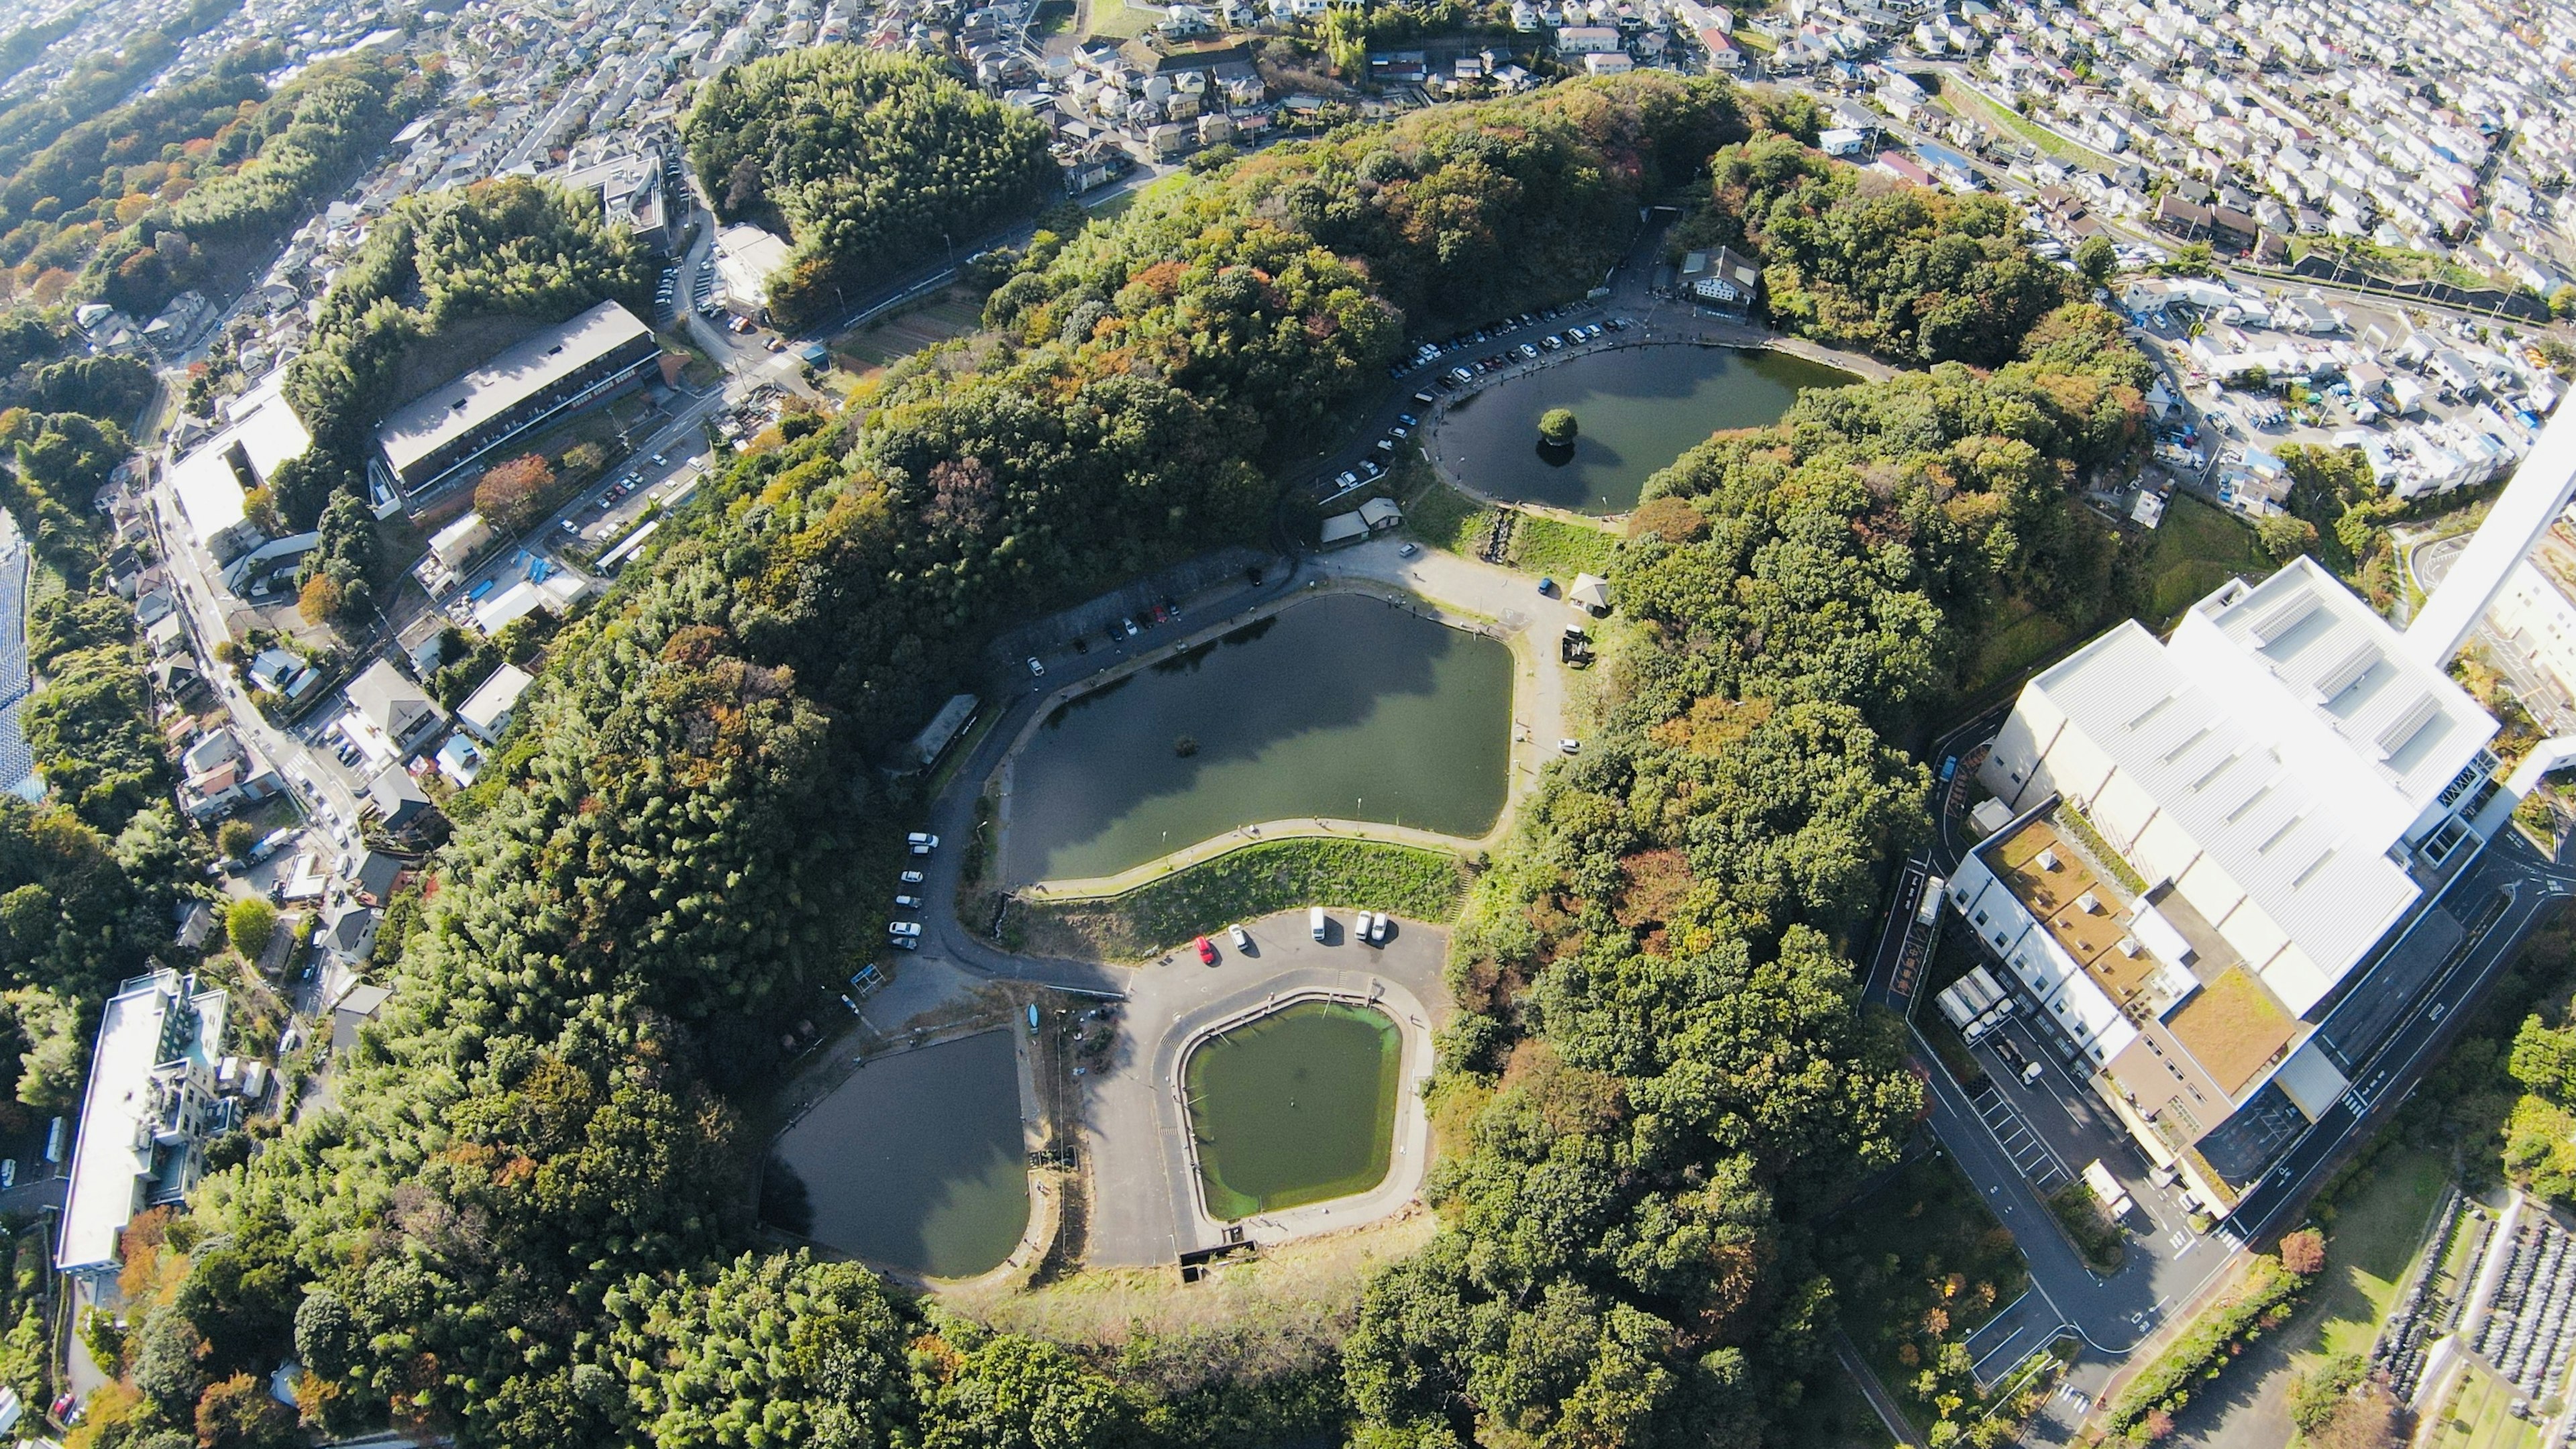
{"x": 1315, "y": 922}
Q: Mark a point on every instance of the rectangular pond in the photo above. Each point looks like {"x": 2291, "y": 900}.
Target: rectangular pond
{"x": 917, "y": 1161}
{"x": 1636, "y": 408}
{"x": 1341, "y": 706}
{"x": 1295, "y": 1107}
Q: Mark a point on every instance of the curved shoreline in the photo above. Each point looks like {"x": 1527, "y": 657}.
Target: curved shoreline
{"x": 1699, "y": 331}
{"x": 998, "y": 783}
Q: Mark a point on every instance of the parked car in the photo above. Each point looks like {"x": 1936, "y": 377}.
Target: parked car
{"x": 1315, "y": 922}
{"x": 1424, "y": 398}
{"x": 1207, "y": 951}
{"x": 1569, "y": 744}
{"x": 1527, "y": 352}
{"x": 903, "y": 928}
{"x": 907, "y": 903}
{"x": 1348, "y": 479}
{"x": 1547, "y": 588}
{"x": 1377, "y": 928}
{"x": 1407, "y": 551}
{"x": 1408, "y": 420}
{"x": 921, "y": 843}
{"x": 1242, "y": 940}
{"x": 910, "y": 877}
{"x": 900, "y": 943}
{"x": 1129, "y": 625}
{"x": 1360, "y": 927}
{"x": 1036, "y": 669}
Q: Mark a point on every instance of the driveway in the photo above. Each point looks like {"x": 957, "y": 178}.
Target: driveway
{"x": 1145, "y": 1207}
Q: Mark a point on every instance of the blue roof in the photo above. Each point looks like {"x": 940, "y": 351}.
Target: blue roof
{"x": 1941, "y": 156}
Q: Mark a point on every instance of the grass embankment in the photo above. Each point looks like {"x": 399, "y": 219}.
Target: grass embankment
{"x": 2197, "y": 548}
{"x": 1968, "y": 104}
{"x": 1258, "y": 880}
{"x": 2373, "y": 1239}
{"x": 1560, "y": 550}
{"x": 1917, "y": 1266}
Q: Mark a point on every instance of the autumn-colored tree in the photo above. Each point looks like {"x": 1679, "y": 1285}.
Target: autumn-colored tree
{"x": 2304, "y": 1252}
{"x": 321, "y": 600}
{"x": 512, "y": 493}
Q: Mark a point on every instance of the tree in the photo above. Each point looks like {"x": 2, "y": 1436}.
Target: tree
{"x": 321, "y": 599}
{"x": 512, "y": 494}
{"x": 248, "y": 924}
{"x": 240, "y": 1413}
{"x": 2304, "y": 1252}
{"x": 2096, "y": 258}
{"x": 2286, "y": 536}
{"x": 54, "y": 1049}
{"x": 1556, "y": 427}
{"x": 236, "y": 837}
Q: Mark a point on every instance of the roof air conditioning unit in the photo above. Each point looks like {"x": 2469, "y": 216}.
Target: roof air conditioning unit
{"x": 2089, "y": 903}
{"x": 2048, "y": 860}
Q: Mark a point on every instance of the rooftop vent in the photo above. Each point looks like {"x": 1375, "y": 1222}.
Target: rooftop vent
{"x": 2284, "y": 616}
{"x": 2048, "y": 860}
{"x": 2403, "y": 729}
{"x": 2089, "y": 903}
{"x": 2129, "y": 947}
{"x": 2350, "y": 672}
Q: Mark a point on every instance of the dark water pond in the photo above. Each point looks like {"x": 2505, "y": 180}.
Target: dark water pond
{"x": 1639, "y": 408}
{"x": 1341, "y": 706}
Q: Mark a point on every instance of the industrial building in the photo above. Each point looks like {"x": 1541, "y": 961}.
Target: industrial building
{"x": 151, "y": 1103}
{"x": 2208, "y": 855}
{"x": 434, "y": 438}
{"x": 746, "y": 258}
{"x": 213, "y": 480}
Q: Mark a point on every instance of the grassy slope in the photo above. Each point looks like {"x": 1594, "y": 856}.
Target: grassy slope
{"x": 1258, "y": 880}
{"x": 2198, "y": 548}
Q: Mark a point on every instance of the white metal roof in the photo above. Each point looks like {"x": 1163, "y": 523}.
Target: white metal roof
{"x": 2287, "y": 792}
{"x": 268, "y": 432}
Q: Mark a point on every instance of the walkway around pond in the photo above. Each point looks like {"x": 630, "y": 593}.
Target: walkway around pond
{"x": 1320, "y": 827}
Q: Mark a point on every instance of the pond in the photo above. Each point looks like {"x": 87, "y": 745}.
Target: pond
{"x": 1340, "y": 706}
{"x": 1638, "y": 408}
{"x": 917, "y": 1161}
{"x": 1296, "y": 1107}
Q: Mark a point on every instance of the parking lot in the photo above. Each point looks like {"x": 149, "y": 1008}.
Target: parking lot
{"x": 2024, "y": 1148}
{"x": 1503, "y": 348}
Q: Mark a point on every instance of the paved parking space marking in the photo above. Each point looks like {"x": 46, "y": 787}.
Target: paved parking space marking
{"x": 2029, "y": 1154}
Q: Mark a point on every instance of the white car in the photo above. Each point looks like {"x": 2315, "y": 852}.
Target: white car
{"x": 1242, "y": 940}
{"x": 1360, "y": 926}
{"x": 903, "y": 928}
{"x": 1036, "y": 670}
{"x": 907, "y": 903}
{"x": 910, "y": 877}
{"x": 921, "y": 844}
{"x": 1569, "y": 745}
{"x": 1377, "y": 928}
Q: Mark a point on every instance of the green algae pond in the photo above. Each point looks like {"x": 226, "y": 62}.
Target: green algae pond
{"x": 1294, "y": 1107}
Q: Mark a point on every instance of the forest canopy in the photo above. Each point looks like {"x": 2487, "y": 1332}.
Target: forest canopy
{"x": 519, "y": 1221}
{"x": 869, "y": 162}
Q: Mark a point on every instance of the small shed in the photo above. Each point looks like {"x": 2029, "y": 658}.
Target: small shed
{"x": 1344, "y": 528}
{"x": 1591, "y": 593}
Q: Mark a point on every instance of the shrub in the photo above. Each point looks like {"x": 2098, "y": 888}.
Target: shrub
{"x": 1557, "y": 426}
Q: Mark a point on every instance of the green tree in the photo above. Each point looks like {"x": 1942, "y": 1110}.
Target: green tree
{"x": 2096, "y": 259}
{"x": 236, "y": 837}
{"x": 248, "y": 924}
{"x": 1557, "y": 427}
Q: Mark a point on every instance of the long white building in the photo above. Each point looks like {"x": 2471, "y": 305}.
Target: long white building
{"x": 150, "y": 1104}
{"x": 2212, "y": 834}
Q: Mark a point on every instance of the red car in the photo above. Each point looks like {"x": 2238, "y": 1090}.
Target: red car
{"x": 1207, "y": 951}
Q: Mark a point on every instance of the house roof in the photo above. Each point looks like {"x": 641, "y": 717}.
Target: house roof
{"x": 386, "y": 698}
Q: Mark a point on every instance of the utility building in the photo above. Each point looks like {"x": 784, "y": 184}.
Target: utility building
{"x": 2212, "y": 839}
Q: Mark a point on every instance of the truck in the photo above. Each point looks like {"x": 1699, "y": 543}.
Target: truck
{"x": 1930, "y": 908}
{"x": 2107, "y": 1190}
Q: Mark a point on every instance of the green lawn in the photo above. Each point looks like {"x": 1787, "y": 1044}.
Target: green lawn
{"x": 2198, "y": 547}
{"x": 1443, "y": 517}
{"x": 1560, "y": 550}
{"x": 1258, "y": 880}
{"x": 1969, "y": 104}
{"x": 1116, "y": 20}
{"x": 2476, "y": 1418}
{"x": 2377, "y": 1235}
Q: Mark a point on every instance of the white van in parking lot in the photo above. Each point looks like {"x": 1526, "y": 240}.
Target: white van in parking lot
{"x": 1315, "y": 922}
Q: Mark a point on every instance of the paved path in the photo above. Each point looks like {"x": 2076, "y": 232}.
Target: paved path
{"x": 1145, "y": 1207}
{"x": 1881, "y": 1402}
